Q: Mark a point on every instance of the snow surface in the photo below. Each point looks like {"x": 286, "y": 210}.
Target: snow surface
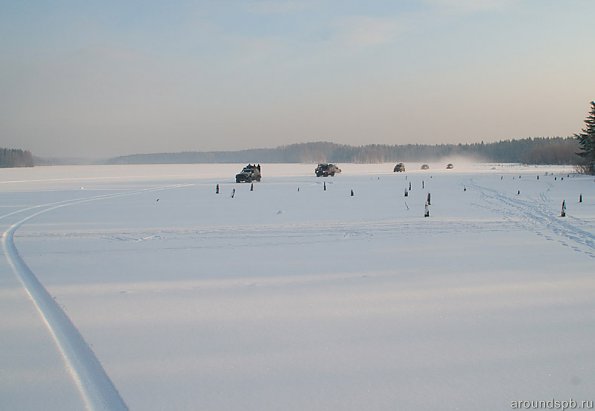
{"x": 295, "y": 298}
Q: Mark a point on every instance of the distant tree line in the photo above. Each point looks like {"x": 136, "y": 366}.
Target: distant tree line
{"x": 11, "y": 157}
{"x": 551, "y": 150}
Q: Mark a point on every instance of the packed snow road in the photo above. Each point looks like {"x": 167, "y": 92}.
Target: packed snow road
{"x": 293, "y": 296}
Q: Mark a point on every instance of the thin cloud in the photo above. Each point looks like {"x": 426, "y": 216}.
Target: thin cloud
{"x": 470, "y": 6}
{"x": 363, "y": 31}
{"x": 278, "y": 7}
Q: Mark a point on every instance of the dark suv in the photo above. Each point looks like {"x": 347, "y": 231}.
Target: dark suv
{"x": 326, "y": 169}
{"x": 248, "y": 174}
{"x": 399, "y": 168}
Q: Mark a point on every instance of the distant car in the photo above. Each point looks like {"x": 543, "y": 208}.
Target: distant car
{"x": 399, "y": 168}
{"x": 449, "y": 166}
{"x": 326, "y": 169}
{"x": 248, "y": 174}
{"x": 425, "y": 167}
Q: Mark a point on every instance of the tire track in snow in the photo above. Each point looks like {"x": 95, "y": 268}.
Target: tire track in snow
{"x": 96, "y": 388}
{"x": 539, "y": 219}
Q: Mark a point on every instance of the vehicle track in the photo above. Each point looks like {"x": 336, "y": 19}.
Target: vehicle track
{"x": 537, "y": 217}
{"x": 96, "y": 388}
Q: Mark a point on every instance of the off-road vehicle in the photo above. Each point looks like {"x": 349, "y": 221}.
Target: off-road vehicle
{"x": 248, "y": 174}
{"x": 399, "y": 168}
{"x": 326, "y": 169}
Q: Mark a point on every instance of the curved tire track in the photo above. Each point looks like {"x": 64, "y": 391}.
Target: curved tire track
{"x": 96, "y": 388}
{"x": 539, "y": 219}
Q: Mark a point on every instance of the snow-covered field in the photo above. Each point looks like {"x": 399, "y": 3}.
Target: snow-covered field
{"x": 290, "y": 297}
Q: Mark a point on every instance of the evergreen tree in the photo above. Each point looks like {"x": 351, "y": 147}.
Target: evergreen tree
{"x": 10, "y": 157}
{"x": 586, "y": 141}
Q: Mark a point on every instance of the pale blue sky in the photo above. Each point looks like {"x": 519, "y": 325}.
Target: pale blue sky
{"x": 98, "y": 79}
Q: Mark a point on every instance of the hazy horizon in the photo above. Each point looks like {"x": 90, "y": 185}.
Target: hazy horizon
{"x": 111, "y": 79}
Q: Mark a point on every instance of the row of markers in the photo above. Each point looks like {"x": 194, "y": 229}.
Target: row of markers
{"x": 428, "y": 200}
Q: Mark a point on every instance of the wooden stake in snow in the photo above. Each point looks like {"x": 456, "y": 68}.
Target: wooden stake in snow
{"x": 423, "y": 184}
{"x": 251, "y": 186}
{"x": 217, "y": 189}
{"x": 428, "y": 200}
{"x": 233, "y": 193}
{"x": 324, "y": 185}
{"x": 563, "y": 213}
{"x": 427, "y": 210}
{"x": 410, "y": 186}
{"x": 406, "y": 193}
{"x": 352, "y": 193}
{"x": 580, "y": 198}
